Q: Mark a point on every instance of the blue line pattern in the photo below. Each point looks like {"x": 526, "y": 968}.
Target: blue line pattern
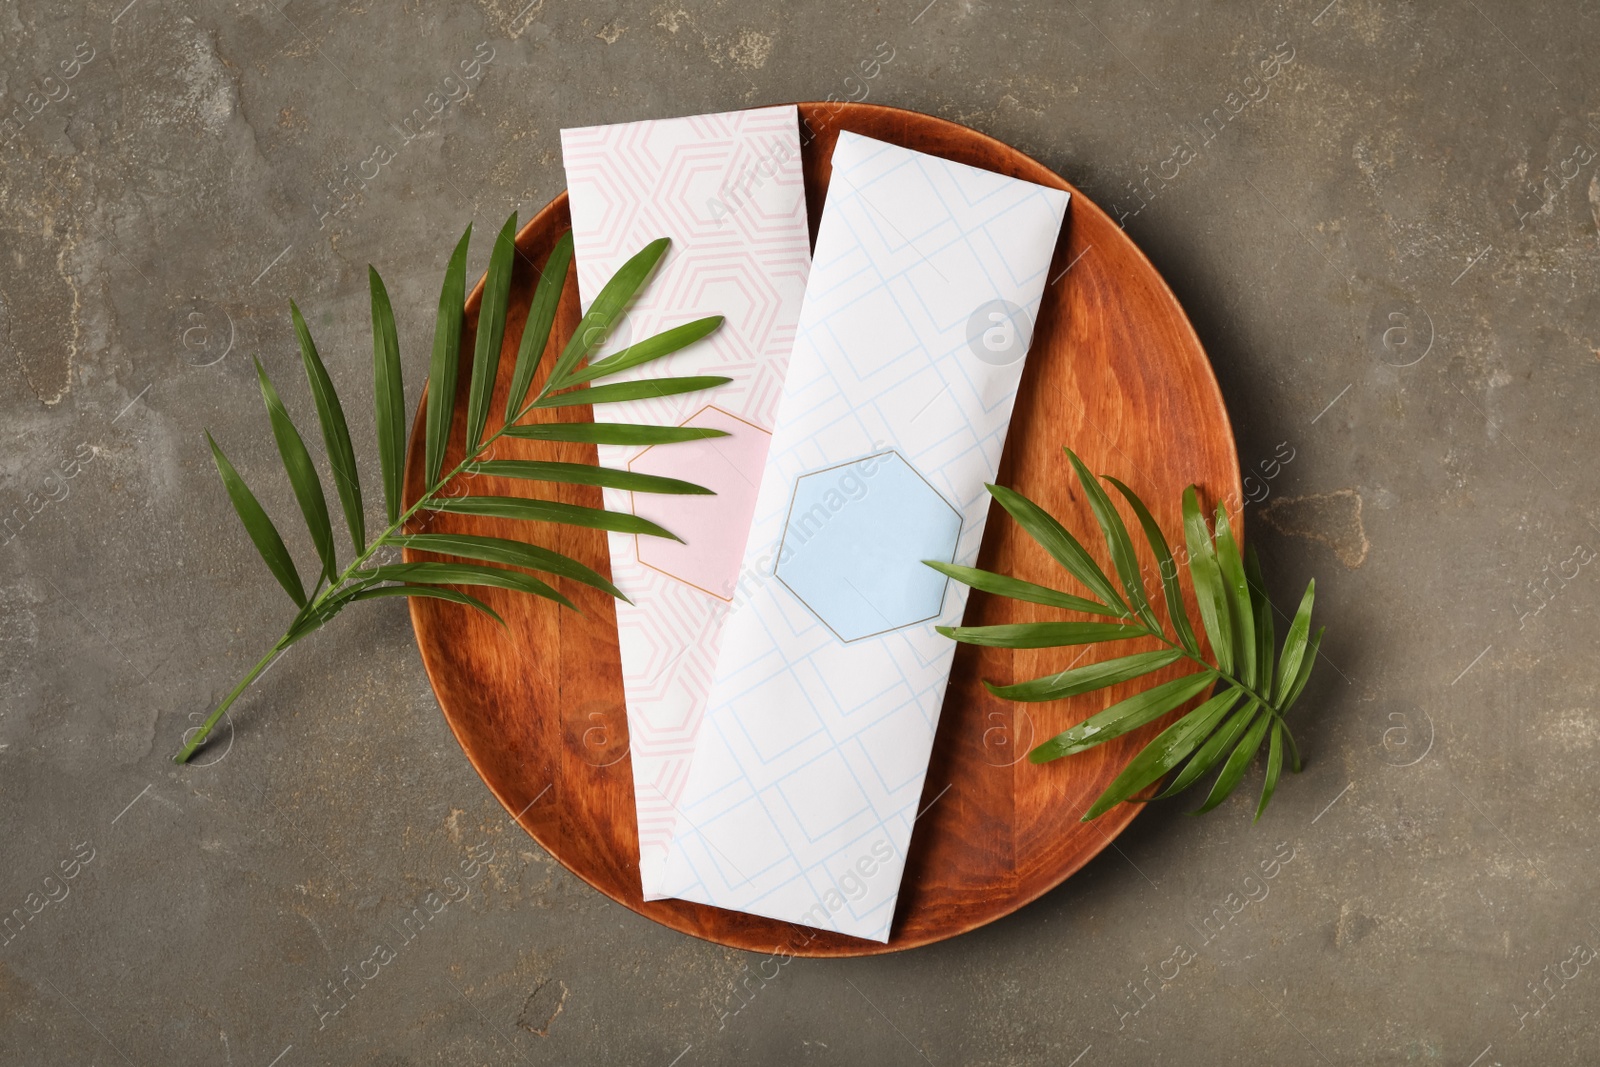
{"x": 812, "y": 754}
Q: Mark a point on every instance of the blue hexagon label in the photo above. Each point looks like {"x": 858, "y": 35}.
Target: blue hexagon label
{"x": 854, "y": 542}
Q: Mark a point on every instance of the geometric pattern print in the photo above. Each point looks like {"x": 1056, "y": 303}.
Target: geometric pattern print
{"x": 802, "y": 792}
{"x": 727, "y": 189}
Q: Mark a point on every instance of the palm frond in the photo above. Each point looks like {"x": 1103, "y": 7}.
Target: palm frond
{"x": 489, "y": 562}
{"x": 1235, "y": 617}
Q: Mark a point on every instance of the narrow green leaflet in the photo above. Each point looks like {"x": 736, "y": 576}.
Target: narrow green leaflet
{"x": 643, "y": 389}
{"x": 1118, "y": 542}
{"x": 651, "y": 348}
{"x": 491, "y": 331}
{"x": 586, "y": 474}
{"x": 1274, "y": 767}
{"x": 1016, "y": 589}
{"x": 1233, "y": 770}
{"x": 516, "y": 507}
{"x": 1040, "y": 634}
{"x": 1237, "y": 591}
{"x": 536, "y": 331}
{"x": 1167, "y": 567}
{"x": 389, "y": 396}
{"x": 302, "y": 474}
{"x": 1062, "y": 546}
{"x": 1125, "y": 715}
{"x": 612, "y": 433}
{"x": 259, "y": 527}
{"x": 1294, "y": 749}
{"x": 1261, "y": 610}
{"x": 1207, "y": 579}
{"x": 1207, "y": 755}
{"x": 446, "y": 360}
{"x": 436, "y": 592}
{"x": 1302, "y": 674}
{"x": 1161, "y": 755}
{"x": 1086, "y": 679}
{"x": 465, "y": 574}
{"x": 335, "y": 433}
{"x": 1294, "y": 645}
{"x": 514, "y": 553}
{"x": 596, "y": 325}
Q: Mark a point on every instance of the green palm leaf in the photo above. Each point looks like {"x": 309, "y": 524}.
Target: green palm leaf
{"x": 1234, "y": 613}
{"x": 597, "y": 324}
{"x": 1294, "y": 645}
{"x": 1016, "y": 589}
{"x": 1123, "y": 716}
{"x": 1040, "y": 634}
{"x": 611, "y": 433}
{"x": 302, "y": 474}
{"x": 1261, "y": 612}
{"x": 1274, "y": 767}
{"x": 435, "y": 592}
{"x": 643, "y": 389}
{"x": 536, "y": 331}
{"x": 446, "y": 360}
{"x": 1236, "y": 590}
{"x": 1118, "y": 542}
{"x": 584, "y": 474}
{"x": 335, "y": 433}
{"x": 513, "y": 553}
{"x": 1070, "y": 683}
{"x": 1233, "y": 770}
{"x": 653, "y": 348}
{"x": 1302, "y": 674}
{"x": 389, "y": 396}
{"x": 1168, "y": 569}
{"x": 1207, "y": 579}
{"x": 489, "y": 557}
{"x": 491, "y": 331}
{"x": 1062, "y": 546}
{"x": 1207, "y": 755}
{"x": 464, "y": 574}
{"x": 517, "y": 507}
{"x": 260, "y": 528}
{"x": 1162, "y": 754}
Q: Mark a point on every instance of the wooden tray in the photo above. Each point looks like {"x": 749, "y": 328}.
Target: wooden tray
{"x": 1115, "y": 371}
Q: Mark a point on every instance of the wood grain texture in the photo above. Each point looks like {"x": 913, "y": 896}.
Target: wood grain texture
{"x": 1115, "y": 371}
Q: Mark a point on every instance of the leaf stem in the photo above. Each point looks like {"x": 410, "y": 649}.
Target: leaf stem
{"x": 1224, "y": 675}
{"x": 338, "y": 585}
{"x": 193, "y": 745}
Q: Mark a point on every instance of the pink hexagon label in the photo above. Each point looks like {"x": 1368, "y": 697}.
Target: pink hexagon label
{"x": 714, "y": 528}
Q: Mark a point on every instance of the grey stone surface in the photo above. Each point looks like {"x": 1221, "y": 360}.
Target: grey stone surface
{"x": 1389, "y": 252}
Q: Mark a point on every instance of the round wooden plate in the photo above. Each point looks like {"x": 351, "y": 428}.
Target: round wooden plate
{"x": 1115, "y": 371}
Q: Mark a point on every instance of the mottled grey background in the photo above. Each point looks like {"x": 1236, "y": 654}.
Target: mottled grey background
{"x": 1389, "y": 251}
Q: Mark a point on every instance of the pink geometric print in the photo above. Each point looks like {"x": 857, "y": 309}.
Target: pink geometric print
{"x": 714, "y": 530}
{"x": 727, "y": 190}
